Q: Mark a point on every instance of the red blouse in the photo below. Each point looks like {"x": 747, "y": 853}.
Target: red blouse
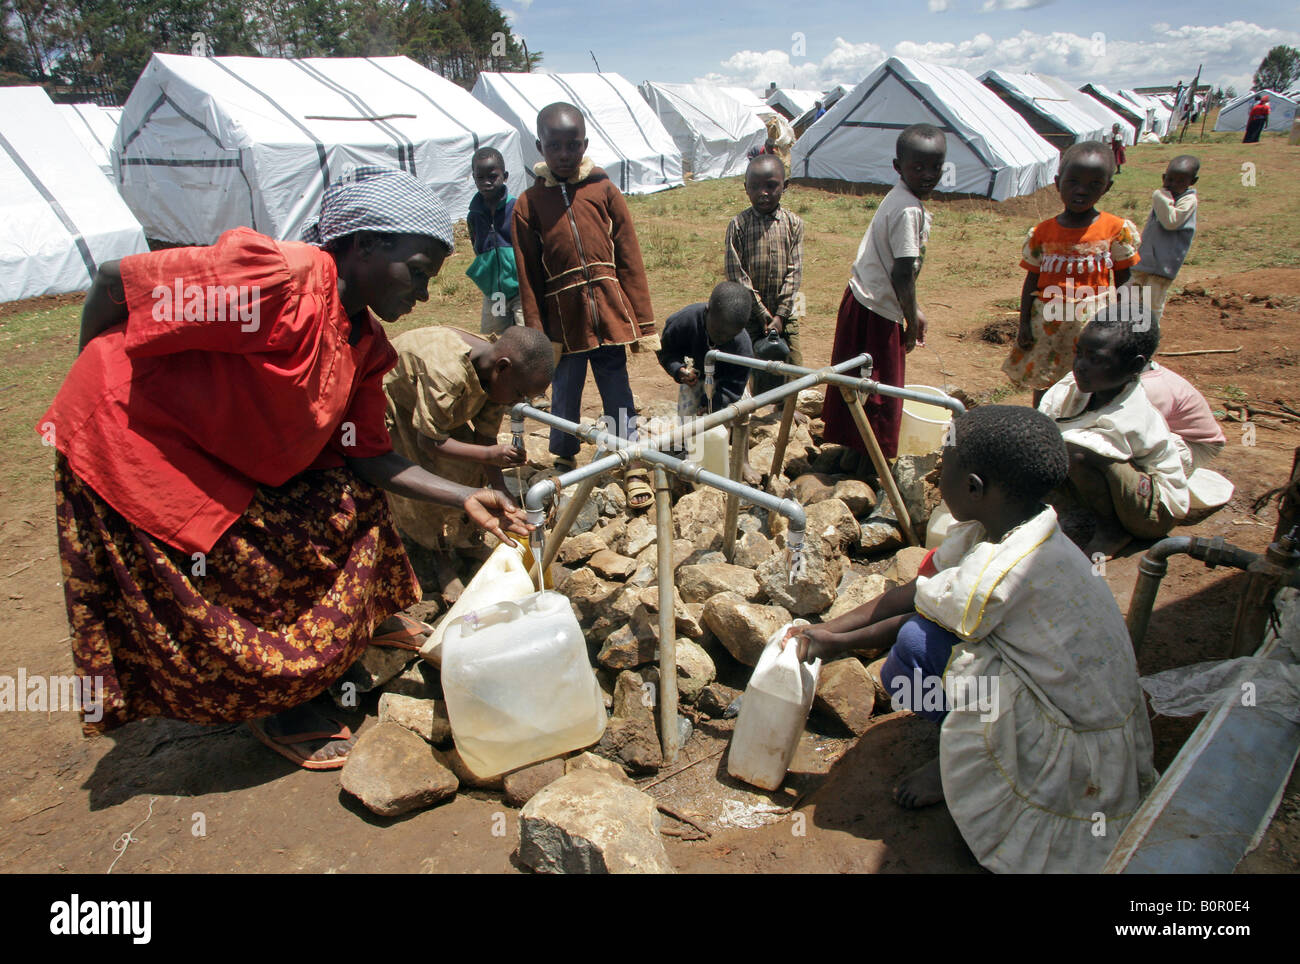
{"x": 177, "y": 416}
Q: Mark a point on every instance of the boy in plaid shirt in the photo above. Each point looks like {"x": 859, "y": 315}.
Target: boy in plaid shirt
{"x": 765, "y": 254}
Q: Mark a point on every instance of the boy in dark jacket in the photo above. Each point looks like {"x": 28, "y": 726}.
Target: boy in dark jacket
{"x": 582, "y": 281}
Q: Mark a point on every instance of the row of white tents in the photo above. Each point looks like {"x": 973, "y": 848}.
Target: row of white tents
{"x": 204, "y": 144}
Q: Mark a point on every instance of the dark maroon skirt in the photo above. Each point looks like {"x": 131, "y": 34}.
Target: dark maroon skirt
{"x": 859, "y": 329}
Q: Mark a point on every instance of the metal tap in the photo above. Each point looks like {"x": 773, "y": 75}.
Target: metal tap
{"x": 795, "y": 562}
{"x": 709, "y": 368}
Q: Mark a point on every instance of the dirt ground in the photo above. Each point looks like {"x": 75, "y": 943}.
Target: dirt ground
{"x": 196, "y": 799}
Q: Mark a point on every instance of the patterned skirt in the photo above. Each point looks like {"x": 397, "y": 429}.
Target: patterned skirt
{"x": 278, "y": 610}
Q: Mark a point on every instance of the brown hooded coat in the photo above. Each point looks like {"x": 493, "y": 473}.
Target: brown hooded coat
{"x": 581, "y": 278}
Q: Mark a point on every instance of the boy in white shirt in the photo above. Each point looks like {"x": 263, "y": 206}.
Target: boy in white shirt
{"x": 878, "y": 313}
{"x": 1126, "y": 466}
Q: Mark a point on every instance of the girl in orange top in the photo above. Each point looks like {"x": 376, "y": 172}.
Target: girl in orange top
{"x": 1072, "y": 261}
{"x": 221, "y": 445}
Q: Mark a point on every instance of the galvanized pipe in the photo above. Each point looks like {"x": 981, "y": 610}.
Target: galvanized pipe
{"x": 669, "y": 735}
{"x": 730, "y": 517}
{"x": 867, "y": 386}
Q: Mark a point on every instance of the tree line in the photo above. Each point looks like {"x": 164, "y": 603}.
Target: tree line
{"x": 95, "y": 49}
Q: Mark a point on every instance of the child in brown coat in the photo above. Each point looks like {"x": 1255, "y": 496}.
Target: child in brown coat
{"x": 582, "y": 281}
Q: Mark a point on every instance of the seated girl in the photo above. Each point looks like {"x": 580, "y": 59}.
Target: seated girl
{"x": 1126, "y": 467}
{"x": 1044, "y": 746}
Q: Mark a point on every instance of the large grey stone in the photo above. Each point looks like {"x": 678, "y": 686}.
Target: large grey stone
{"x": 588, "y": 517}
{"x": 810, "y": 402}
{"x": 611, "y": 500}
{"x": 392, "y": 771}
{"x": 427, "y": 719}
{"x": 589, "y": 822}
{"x": 702, "y": 582}
{"x": 741, "y": 626}
{"x": 614, "y": 614}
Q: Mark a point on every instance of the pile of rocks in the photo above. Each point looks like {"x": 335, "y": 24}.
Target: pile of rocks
{"x": 583, "y": 813}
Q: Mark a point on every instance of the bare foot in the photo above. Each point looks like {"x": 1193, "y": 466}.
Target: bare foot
{"x": 1108, "y": 540}
{"x": 800, "y": 418}
{"x": 750, "y": 475}
{"x": 920, "y": 788}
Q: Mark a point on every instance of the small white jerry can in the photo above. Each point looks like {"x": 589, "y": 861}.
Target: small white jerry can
{"x": 773, "y": 713}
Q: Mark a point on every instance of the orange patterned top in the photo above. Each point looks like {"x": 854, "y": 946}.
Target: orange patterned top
{"x": 1086, "y": 256}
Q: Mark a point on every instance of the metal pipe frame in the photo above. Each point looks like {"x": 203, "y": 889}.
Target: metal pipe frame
{"x": 669, "y": 734}
{"x": 868, "y": 386}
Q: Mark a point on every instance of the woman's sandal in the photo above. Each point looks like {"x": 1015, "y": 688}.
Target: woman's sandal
{"x": 404, "y": 632}
{"x": 636, "y": 483}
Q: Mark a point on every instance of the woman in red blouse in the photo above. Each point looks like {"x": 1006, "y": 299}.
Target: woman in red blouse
{"x": 221, "y": 449}
{"x": 1256, "y": 120}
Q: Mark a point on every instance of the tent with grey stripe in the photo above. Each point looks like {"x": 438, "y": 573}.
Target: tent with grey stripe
{"x": 59, "y": 217}
{"x": 992, "y": 152}
{"x": 206, "y": 144}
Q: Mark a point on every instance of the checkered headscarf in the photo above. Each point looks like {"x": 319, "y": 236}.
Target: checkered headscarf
{"x": 379, "y": 199}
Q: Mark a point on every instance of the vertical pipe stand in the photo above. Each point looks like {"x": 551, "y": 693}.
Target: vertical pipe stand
{"x": 736, "y": 464}
{"x": 669, "y": 735}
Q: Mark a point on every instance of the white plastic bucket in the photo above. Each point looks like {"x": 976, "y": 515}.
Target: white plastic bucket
{"x": 923, "y": 425}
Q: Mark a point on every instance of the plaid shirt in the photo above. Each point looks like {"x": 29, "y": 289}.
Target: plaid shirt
{"x": 765, "y": 254}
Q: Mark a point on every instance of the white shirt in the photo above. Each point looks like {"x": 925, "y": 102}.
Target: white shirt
{"x": 1129, "y": 429}
{"x": 900, "y": 229}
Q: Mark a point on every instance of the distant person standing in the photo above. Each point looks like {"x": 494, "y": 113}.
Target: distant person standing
{"x": 1117, "y": 147}
{"x": 1257, "y": 120}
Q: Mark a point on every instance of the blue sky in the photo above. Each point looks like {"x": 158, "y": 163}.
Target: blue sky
{"x": 1119, "y": 44}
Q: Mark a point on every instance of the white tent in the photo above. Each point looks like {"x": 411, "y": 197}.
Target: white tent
{"x": 993, "y": 152}
{"x": 94, "y": 127}
{"x": 1235, "y": 113}
{"x": 1045, "y": 108}
{"x": 834, "y": 94}
{"x": 793, "y": 101}
{"x": 1159, "y": 117}
{"x": 1108, "y": 117}
{"x": 59, "y": 218}
{"x": 626, "y": 138}
{"x": 713, "y": 130}
{"x": 209, "y": 143}
{"x": 1117, "y": 103}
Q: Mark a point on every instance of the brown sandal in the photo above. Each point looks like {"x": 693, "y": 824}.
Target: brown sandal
{"x": 636, "y": 483}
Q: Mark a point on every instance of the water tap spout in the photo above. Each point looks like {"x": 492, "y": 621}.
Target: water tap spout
{"x": 798, "y": 566}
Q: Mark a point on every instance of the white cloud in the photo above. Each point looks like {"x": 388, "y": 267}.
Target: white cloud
{"x": 1230, "y": 52}
{"x": 990, "y": 5}
{"x": 938, "y": 6}
{"x": 846, "y": 63}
